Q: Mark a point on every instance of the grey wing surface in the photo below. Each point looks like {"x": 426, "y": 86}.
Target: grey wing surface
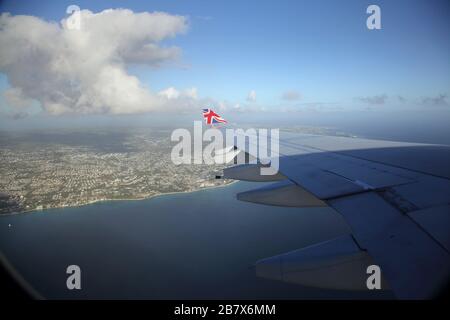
{"x": 394, "y": 196}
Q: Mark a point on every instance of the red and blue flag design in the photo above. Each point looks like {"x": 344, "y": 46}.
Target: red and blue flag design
{"x": 211, "y": 117}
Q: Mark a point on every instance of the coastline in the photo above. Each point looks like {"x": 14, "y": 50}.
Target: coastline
{"x": 121, "y": 199}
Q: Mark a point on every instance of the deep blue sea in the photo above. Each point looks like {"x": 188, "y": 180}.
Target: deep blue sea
{"x": 178, "y": 246}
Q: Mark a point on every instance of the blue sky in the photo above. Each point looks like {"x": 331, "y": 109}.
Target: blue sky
{"x": 320, "y": 49}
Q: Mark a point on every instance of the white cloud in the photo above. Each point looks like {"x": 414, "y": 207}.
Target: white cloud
{"x": 170, "y": 93}
{"x": 84, "y": 71}
{"x": 191, "y": 93}
{"x": 251, "y": 96}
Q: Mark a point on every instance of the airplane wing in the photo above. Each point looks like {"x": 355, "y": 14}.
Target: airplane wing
{"x": 395, "y": 196}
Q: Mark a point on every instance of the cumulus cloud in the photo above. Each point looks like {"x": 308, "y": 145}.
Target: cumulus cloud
{"x": 170, "y": 93}
{"x": 85, "y": 71}
{"x": 251, "y": 96}
{"x": 191, "y": 93}
{"x": 291, "y": 95}
{"x": 173, "y": 94}
{"x": 374, "y": 100}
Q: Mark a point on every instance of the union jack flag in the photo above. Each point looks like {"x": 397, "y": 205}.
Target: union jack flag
{"x": 211, "y": 117}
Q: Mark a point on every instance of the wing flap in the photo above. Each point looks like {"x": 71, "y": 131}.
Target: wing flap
{"x": 322, "y": 184}
{"x": 284, "y": 193}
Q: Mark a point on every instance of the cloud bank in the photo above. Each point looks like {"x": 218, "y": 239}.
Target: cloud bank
{"x": 374, "y": 100}
{"x": 439, "y": 100}
{"x": 84, "y": 71}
